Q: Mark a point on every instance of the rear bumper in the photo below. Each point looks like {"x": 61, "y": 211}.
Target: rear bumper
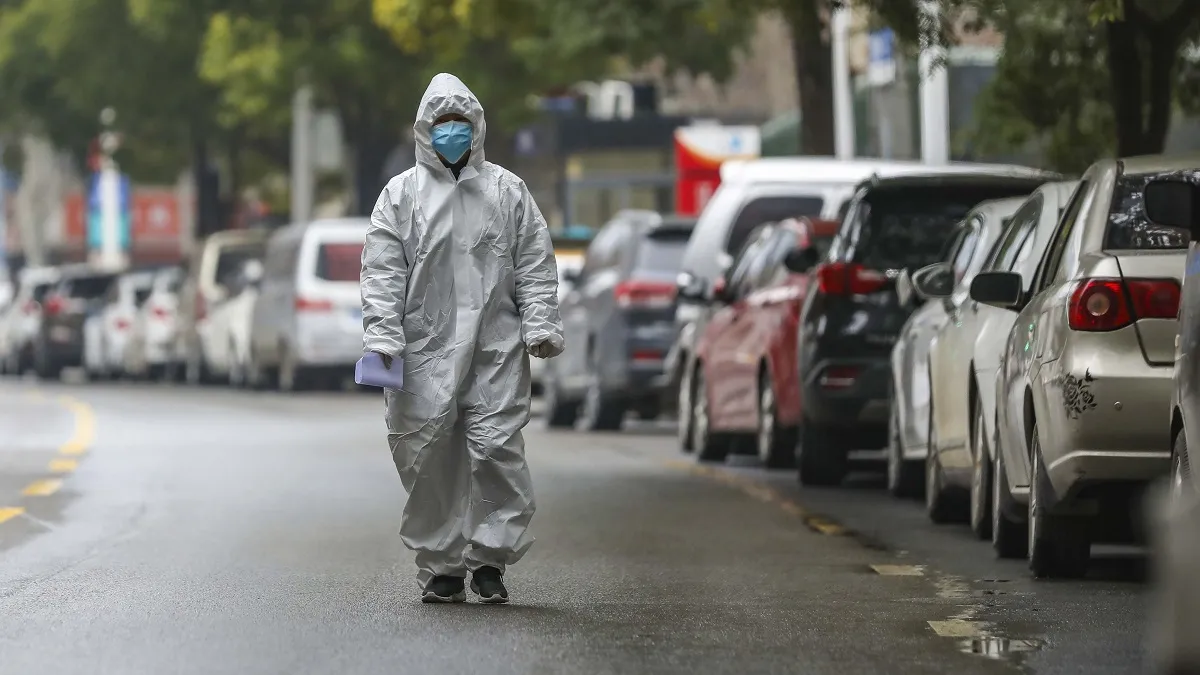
{"x": 865, "y": 401}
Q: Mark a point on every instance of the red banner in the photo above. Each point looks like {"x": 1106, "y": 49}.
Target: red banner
{"x": 699, "y": 153}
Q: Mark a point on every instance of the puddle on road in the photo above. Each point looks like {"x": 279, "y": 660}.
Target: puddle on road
{"x": 998, "y": 648}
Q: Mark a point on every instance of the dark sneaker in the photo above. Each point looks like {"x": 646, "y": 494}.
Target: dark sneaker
{"x": 487, "y": 584}
{"x": 445, "y": 589}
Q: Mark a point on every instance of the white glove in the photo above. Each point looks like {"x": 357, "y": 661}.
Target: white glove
{"x": 541, "y": 350}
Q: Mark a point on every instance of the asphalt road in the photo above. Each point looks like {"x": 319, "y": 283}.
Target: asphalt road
{"x": 165, "y": 530}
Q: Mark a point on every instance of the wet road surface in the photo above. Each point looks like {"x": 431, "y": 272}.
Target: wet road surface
{"x": 172, "y": 530}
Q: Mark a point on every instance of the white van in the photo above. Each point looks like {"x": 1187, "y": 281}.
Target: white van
{"x": 307, "y": 327}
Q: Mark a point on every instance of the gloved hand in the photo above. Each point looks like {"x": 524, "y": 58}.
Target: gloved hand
{"x": 541, "y": 350}
{"x": 387, "y": 360}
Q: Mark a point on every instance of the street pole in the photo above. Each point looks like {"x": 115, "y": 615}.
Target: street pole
{"x": 303, "y": 175}
{"x": 111, "y": 254}
{"x": 843, "y": 98}
{"x": 935, "y": 94}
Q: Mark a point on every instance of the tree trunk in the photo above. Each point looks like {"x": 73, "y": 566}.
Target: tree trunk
{"x": 814, "y": 76}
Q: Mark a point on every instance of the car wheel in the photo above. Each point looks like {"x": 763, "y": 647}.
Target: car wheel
{"x": 1181, "y": 474}
{"x": 710, "y": 446}
{"x": 1010, "y": 540}
{"x": 904, "y": 477}
{"x": 601, "y": 412}
{"x": 981, "y": 477}
{"x": 648, "y": 412}
{"x": 1058, "y": 547}
{"x": 237, "y": 369}
{"x": 195, "y": 372}
{"x": 560, "y": 413}
{"x": 684, "y": 402}
{"x": 776, "y": 444}
{"x": 822, "y": 458}
{"x": 291, "y": 376}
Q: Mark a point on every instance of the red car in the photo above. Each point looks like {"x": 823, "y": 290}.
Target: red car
{"x": 745, "y": 390}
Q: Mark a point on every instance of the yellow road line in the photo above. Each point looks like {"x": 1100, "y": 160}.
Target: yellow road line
{"x": 42, "y": 488}
{"x": 85, "y": 426}
{"x": 899, "y": 570}
{"x": 10, "y": 512}
{"x": 63, "y": 465}
{"x": 956, "y": 628}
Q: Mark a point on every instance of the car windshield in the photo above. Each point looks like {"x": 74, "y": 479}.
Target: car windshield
{"x": 231, "y": 259}
{"x": 662, "y": 252}
{"x": 340, "y": 261}
{"x": 40, "y": 291}
{"x": 90, "y": 288}
{"x": 910, "y": 227}
{"x": 1128, "y": 227}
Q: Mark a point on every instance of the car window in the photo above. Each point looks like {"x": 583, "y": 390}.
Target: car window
{"x": 604, "y": 252}
{"x": 1058, "y": 241}
{"x": 768, "y": 210}
{"x": 40, "y": 291}
{"x": 90, "y": 287}
{"x": 907, "y": 226}
{"x": 1016, "y": 234}
{"x": 744, "y": 263}
{"x": 1128, "y": 227}
{"x": 773, "y": 271}
{"x": 339, "y": 261}
{"x": 968, "y": 243}
{"x": 662, "y": 252}
{"x": 230, "y": 260}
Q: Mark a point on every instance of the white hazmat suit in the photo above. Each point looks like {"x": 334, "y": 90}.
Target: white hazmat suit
{"x": 458, "y": 281}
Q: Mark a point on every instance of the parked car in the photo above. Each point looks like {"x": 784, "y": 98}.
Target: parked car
{"x": 307, "y": 327}
{"x": 569, "y": 263}
{"x": 107, "y": 328}
{"x": 151, "y": 349}
{"x": 940, "y": 289}
{"x": 234, "y": 319}
{"x": 1085, "y": 380}
{"x": 743, "y": 391}
{"x": 618, "y": 317}
{"x": 60, "y": 342}
{"x": 851, "y": 321}
{"x": 754, "y": 192}
{"x": 218, "y": 259}
{"x": 21, "y": 322}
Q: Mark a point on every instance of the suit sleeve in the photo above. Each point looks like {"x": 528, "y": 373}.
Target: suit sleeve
{"x": 385, "y": 278}
{"x": 536, "y": 277}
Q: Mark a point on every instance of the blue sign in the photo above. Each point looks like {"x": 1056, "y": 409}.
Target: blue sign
{"x": 95, "y": 224}
{"x": 881, "y": 45}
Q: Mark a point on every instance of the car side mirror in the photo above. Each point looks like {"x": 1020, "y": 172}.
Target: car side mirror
{"x": 800, "y": 260}
{"x": 690, "y": 287}
{"x": 1005, "y": 290}
{"x": 934, "y": 281}
{"x": 252, "y": 273}
{"x": 1174, "y": 202}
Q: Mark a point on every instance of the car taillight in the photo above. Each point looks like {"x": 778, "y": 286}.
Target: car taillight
{"x": 647, "y": 355}
{"x": 55, "y": 305}
{"x": 849, "y": 279}
{"x": 1099, "y": 305}
{"x": 645, "y": 294}
{"x": 160, "y": 313}
{"x": 309, "y": 305}
{"x": 838, "y": 377}
{"x": 121, "y": 324}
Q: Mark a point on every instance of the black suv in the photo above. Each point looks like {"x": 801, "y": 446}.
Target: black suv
{"x": 851, "y": 321}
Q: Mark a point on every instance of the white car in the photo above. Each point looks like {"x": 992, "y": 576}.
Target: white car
{"x": 21, "y": 322}
{"x": 307, "y": 328}
{"x": 966, "y": 355}
{"x": 230, "y": 325}
{"x": 150, "y": 349}
{"x": 568, "y": 265}
{"x": 909, "y": 424}
{"x": 106, "y": 333}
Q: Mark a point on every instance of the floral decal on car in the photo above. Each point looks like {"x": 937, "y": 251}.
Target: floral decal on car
{"x": 1077, "y": 393}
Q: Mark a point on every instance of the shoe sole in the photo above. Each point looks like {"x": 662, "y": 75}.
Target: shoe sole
{"x": 434, "y": 598}
{"x": 489, "y": 600}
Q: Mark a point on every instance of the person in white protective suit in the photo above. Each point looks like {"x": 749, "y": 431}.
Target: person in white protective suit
{"x": 459, "y": 288}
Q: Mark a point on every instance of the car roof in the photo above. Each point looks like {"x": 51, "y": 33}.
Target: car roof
{"x": 1007, "y": 206}
{"x": 1158, "y": 163}
{"x": 1031, "y": 177}
{"x": 826, "y": 170}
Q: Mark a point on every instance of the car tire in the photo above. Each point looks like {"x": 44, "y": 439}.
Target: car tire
{"x": 292, "y": 376}
{"x": 940, "y": 503}
{"x": 45, "y": 368}
{"x": 560, "y": 413}
{"x": 981, "y": 477}
{"x": 905, "y": 478}
{"x": 601, "y": 411}
{"x": 195, "y": 370}
{"x": 1181, "y": 472}
{"x": 684, "y": 429}
{"x": 710, "y": 446}
{"x": 822, "y": 458}
{"x": 1059, "y": 547}
{"x": 776, "y": 444}
{"x": 648, "y": 412}
{"x": 1010, "y": 539}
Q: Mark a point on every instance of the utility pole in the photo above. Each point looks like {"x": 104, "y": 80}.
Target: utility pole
{"x": 303, "y": 169}
{"x": 843, "y": 98}
{"x": 935, "y": 93}
{"x": 109, "y": 251}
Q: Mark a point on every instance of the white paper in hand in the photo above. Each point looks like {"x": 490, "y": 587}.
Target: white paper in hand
{"x": 371, "y": 372}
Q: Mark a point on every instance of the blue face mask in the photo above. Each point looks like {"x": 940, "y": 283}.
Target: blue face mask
{"x": 452, "y": 140}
